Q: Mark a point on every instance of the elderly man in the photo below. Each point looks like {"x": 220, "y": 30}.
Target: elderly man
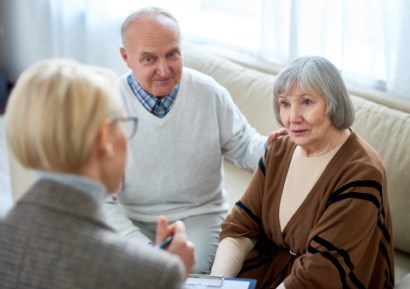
{"x": 187, "y": 124}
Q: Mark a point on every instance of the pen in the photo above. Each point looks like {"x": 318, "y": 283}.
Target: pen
{"x": 166, "y": 242}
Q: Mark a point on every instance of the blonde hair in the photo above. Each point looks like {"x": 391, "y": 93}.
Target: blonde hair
{"x": 55, "y": 112}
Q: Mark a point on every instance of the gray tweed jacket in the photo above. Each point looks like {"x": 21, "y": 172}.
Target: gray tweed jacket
{"x": 55, "y": 237}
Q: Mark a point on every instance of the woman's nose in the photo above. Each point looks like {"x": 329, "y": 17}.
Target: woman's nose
{"x": 294, "y": 114}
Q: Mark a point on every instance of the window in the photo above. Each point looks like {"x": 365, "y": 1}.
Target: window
{"x": 366, "y": 39}
{"x": 363, "y": 38}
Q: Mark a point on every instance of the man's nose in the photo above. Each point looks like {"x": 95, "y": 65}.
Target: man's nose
{"x": 163, "y": 68}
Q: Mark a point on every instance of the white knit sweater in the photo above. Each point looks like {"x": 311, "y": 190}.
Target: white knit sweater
{"x": 175, "y": 163}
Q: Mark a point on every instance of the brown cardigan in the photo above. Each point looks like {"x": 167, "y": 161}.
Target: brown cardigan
{"x": 340, "y": 236}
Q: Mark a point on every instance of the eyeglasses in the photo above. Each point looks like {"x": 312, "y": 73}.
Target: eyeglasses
{"x": 130, "y": 124}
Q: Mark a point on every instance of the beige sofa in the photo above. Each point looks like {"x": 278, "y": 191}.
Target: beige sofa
{"x": 385, "y": 125}
{"x": 387, "y": 129}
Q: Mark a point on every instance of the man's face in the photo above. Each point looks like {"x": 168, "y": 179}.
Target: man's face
{"x": 152, "y": 51}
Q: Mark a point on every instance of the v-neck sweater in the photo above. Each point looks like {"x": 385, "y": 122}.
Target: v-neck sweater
{"x": 175, "y": 162}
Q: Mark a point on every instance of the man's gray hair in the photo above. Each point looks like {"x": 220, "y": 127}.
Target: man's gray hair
{"x": 145, "y": 12}
{"x": 317, "y": 74}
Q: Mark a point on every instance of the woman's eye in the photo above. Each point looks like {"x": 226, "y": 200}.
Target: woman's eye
{"x": 307, "y": 101}
{"x": 284, "y": 104}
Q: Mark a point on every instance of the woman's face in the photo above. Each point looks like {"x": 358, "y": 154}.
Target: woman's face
{"x": 304, "y": 116}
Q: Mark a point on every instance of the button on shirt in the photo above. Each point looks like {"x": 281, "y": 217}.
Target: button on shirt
{"x": 157, "y": 106}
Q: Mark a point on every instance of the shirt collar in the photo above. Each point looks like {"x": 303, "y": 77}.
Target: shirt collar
{"x": 93, "y": 188}
{"x": 149, "y": 101}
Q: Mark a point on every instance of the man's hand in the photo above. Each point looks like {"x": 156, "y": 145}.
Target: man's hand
{"x": 275, "y": 134}
{"x": 179, "y": 246}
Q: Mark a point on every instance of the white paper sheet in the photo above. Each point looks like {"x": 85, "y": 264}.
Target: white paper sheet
{"x": 207, "y": 284}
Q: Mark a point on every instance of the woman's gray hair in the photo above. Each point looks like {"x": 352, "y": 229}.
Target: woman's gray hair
{"x": 317, "y": 74}
{"x": 145, "y": 12}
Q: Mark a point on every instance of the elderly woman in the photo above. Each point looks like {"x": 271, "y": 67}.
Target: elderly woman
{"x": 316, "y": 213}
{"x": 66, "y": 120}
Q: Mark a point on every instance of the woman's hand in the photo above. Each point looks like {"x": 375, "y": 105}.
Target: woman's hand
{"x": 179, "y": 245}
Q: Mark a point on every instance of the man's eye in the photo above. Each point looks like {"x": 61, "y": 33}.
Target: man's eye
{"x": 148, "y": 59}
{"x": 173, "y": 54}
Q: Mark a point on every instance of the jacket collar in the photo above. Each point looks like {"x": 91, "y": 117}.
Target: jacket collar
{"x": 67, "y": 200}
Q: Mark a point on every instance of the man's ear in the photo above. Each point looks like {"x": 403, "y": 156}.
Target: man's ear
{"x": 124, "y": 54}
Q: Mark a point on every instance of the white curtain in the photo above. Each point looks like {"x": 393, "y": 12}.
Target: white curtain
{"x": 87, "y": 30}
{"x": 367, "y": 39}
{"x": 397, "y": 52}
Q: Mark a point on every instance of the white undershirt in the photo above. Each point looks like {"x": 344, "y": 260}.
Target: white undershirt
{"x": 299, "y": 183}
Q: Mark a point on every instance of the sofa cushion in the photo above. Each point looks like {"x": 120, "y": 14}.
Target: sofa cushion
{"x": 388, "y": 131}
{"x": 404, "y": 283}
{"x": 251, "y": 90}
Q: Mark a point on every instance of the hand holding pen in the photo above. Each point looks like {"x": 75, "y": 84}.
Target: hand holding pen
{"x": 164, "y": 244}
{"x": 172, "y": 238}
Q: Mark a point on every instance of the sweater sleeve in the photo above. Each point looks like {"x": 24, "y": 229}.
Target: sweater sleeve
{"x": 115, "y": 217}
{"x": 240, "y": 142}
{"x": 230, "y": 256}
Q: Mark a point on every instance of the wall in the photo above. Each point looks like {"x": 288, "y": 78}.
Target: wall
{"x": 31, "y": 30}
{"x": 24, "y": 35}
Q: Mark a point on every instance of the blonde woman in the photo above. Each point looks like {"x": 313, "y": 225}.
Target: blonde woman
{"x": 66, "y": 121}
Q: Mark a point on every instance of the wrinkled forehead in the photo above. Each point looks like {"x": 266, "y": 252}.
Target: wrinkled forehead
{"x": 153, "y": 27}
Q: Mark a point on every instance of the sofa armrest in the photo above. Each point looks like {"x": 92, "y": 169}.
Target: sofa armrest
{"x": 403, "y": 283}
{"x": 236, "y": 181}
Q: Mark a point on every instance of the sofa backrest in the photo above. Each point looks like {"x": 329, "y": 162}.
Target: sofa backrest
{"x": 386, "y": 129}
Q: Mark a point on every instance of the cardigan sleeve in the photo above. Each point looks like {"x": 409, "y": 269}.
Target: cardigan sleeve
{"x": 245, "y": 217}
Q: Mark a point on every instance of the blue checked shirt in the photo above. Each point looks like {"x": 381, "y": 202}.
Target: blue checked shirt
{"x": 158, "y": 107}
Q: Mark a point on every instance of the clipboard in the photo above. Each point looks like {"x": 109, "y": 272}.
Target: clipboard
{"x": 204, "y": 281}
